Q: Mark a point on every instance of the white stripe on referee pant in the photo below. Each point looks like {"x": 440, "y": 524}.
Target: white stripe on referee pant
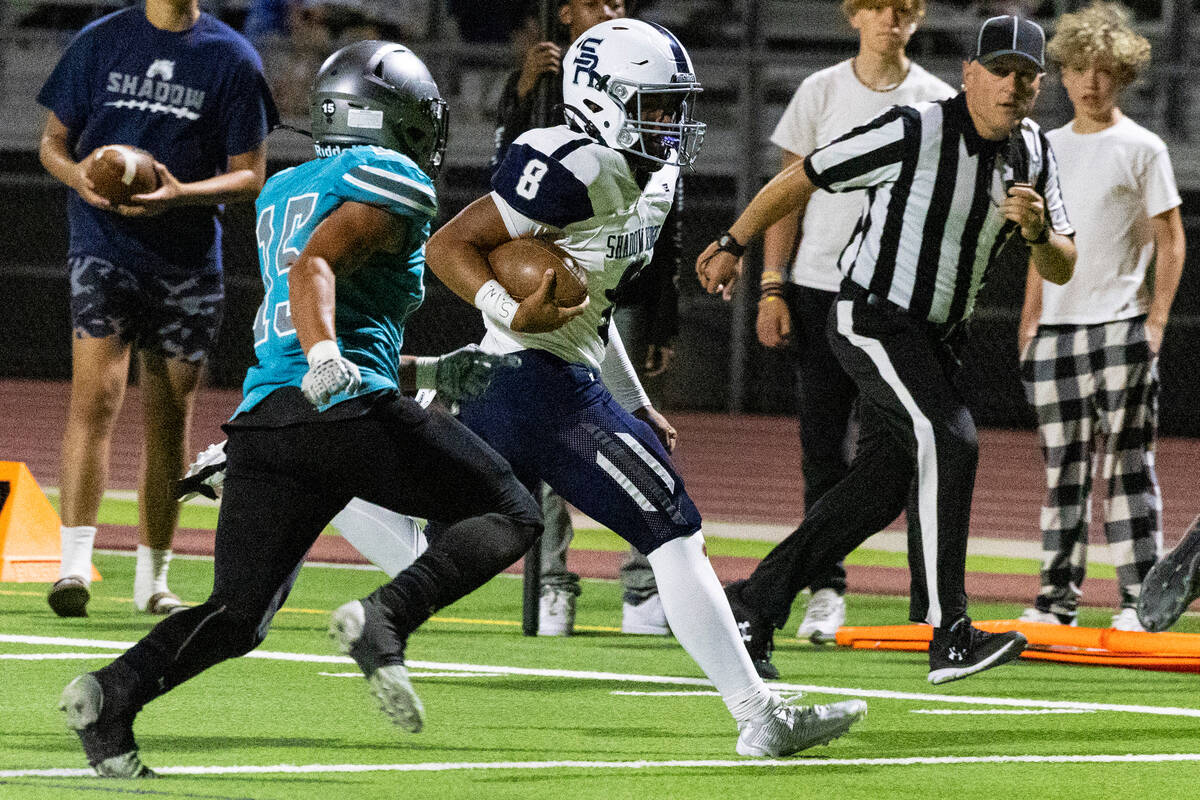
{"x": 927, "y": 476}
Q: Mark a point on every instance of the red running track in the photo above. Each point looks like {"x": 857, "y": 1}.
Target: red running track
{"x": 739, "y": 469}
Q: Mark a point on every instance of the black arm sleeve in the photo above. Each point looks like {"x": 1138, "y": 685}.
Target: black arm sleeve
{"x": 664, "y": 272}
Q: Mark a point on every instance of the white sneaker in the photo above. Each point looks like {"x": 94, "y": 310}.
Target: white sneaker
{"x": 556, "y": 612}
{"x": 1127, "y": 620}
{"x": 646, "y": 618}
{"x": 1047, "y": 617}
{"x": 789, "y": 728}
{"x": 826, "y": 613}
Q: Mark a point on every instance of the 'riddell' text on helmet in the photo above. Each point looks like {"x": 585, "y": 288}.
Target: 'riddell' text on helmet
{"x": 631, "y": 85}
{"x": 379, "y": 93}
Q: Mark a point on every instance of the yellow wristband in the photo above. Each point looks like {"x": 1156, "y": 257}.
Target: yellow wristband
{"x": 769, "y": 298}
{"x": 772, "y": 276}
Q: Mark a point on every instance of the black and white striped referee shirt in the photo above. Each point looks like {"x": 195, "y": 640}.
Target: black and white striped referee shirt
{"x": 931, "y": 222}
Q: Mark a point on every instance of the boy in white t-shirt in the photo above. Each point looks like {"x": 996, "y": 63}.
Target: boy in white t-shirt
{"x": 1089, "y": 348}
{"x": 798, "y": 287}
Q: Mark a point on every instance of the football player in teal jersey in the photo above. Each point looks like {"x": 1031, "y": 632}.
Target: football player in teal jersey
{"x": 341, "y": 250}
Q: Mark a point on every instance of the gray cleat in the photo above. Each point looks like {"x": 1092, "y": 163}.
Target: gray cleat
{"x": 789, "y": 728}
{"x": 1172, "y": 584}
{"x": 389, "y": 682}
{"x": 107, "y": 738}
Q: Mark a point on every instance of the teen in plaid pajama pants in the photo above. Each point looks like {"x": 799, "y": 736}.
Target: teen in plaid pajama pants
{"x": 1089, "y": 348}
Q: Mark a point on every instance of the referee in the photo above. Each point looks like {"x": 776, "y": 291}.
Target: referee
{"x": 948, "y": 183}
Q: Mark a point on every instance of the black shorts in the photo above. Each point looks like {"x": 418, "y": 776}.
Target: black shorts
{"x": 174, "y": 316}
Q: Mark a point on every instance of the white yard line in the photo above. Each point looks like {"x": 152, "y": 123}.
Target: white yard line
{"x": 592, "y": 675}
{"x": 452, "y": 766}
{"x": 983, "y": 712}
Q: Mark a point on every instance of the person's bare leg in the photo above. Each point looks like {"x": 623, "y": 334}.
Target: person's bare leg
{"x": 168, "y": 394}
{"x": 100, "y": 367}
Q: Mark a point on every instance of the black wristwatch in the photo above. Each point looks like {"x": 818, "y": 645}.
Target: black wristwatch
{"x": 730, "y": 245}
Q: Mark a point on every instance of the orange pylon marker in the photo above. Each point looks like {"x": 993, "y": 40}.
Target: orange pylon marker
{"x": 30, "y": 546}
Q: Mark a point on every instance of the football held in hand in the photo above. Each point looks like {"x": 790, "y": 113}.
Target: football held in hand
{"x": 119, "y": 171}
{"x": 519, "y": 265}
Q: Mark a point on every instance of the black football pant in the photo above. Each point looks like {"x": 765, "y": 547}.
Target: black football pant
{"x": 283, "y": 486}
{"x": 916, "y": 437}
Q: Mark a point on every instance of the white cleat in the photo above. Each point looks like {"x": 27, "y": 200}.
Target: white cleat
{"x": 397, "y": 698}
{"x": 826, "y": 613}
{"x": 389, "y": 683}
{"x": 1034, "y": 614}
{"x": 647, "y": 618}
{"x": 1127, "y": 620}
{"x": 789, "y": 728}
{"x": 556, "y": 612}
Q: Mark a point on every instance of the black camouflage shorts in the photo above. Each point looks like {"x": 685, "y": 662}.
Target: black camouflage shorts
{"x": 174, "y": 316}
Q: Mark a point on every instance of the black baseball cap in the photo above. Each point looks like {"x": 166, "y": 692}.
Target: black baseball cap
{"x": 1010, "y": 35}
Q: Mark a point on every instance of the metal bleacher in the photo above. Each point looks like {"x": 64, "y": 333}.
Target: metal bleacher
{"x": 798, "y": 37}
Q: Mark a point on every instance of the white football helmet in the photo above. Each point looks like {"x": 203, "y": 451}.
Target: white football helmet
{"x": 622, "y": 69}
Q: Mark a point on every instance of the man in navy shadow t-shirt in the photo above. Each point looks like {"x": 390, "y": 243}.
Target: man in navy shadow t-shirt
{"x": 147, "y": 275}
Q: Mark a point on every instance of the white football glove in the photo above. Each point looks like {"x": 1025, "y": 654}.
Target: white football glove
{"x": 206, "y": 475}
{"x": 462, "y": 374}
{"x": 329, "y": 374}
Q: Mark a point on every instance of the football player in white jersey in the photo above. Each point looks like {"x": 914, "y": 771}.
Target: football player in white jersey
{"x": 600, "y": 188}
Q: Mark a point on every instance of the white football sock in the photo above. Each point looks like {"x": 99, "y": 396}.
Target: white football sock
{"x": 388, "y": 540}
{"x": 699, "y": 616}
{"x": 150, "y": 575}
{"x": 77, "y": 544}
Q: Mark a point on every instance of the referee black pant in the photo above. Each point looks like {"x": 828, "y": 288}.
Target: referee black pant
{"x": 916, "y": 437}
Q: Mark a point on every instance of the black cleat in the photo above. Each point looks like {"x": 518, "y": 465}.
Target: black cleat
{"x": 69, "y": 597}
{"x": 962, "y": 650}
{"x": 106, "y": 733}
{"x": 1172, "y": 584}
{"x": 757, "y": 635}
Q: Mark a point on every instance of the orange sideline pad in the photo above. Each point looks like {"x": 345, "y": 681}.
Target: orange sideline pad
{"x": 30, "y": 544}
{"x": 1170, "y": 652}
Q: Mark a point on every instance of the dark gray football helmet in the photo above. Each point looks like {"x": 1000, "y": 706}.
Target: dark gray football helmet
{"x": 379, "y": 93}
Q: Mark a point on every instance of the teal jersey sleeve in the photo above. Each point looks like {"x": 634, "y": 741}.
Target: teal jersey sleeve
{"x": 374, "y": 301}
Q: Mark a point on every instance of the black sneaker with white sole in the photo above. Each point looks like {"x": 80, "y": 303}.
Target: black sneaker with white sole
{"x": 104, "y": 728}
{"x": 1172, "y": 584}
{"x": 757, "y": 634}
{"x": 962, "y": 649}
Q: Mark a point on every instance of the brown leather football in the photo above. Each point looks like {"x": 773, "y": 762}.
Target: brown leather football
{"x": 519, "y": 265}
{"x": 119, "y": 171}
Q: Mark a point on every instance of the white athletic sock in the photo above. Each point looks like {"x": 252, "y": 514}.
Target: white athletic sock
{"x": 150, "y": 575}
{"x": 77, "y": 544}
{"x": 699, "y": 616}
{"x": 388, "y": 540}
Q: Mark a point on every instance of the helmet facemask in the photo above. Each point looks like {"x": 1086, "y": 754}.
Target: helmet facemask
{"x": 659, "y": 124}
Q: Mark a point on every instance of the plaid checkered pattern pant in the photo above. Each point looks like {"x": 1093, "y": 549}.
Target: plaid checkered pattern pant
{"x": 1089, "y": 383}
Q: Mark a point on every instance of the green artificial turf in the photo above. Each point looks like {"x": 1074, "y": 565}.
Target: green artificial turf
{"x": 262, "y": 712}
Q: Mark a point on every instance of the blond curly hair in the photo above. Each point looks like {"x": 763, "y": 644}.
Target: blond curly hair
{"x": 1101, "y": 32}
{"x": 915, "y": 8}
